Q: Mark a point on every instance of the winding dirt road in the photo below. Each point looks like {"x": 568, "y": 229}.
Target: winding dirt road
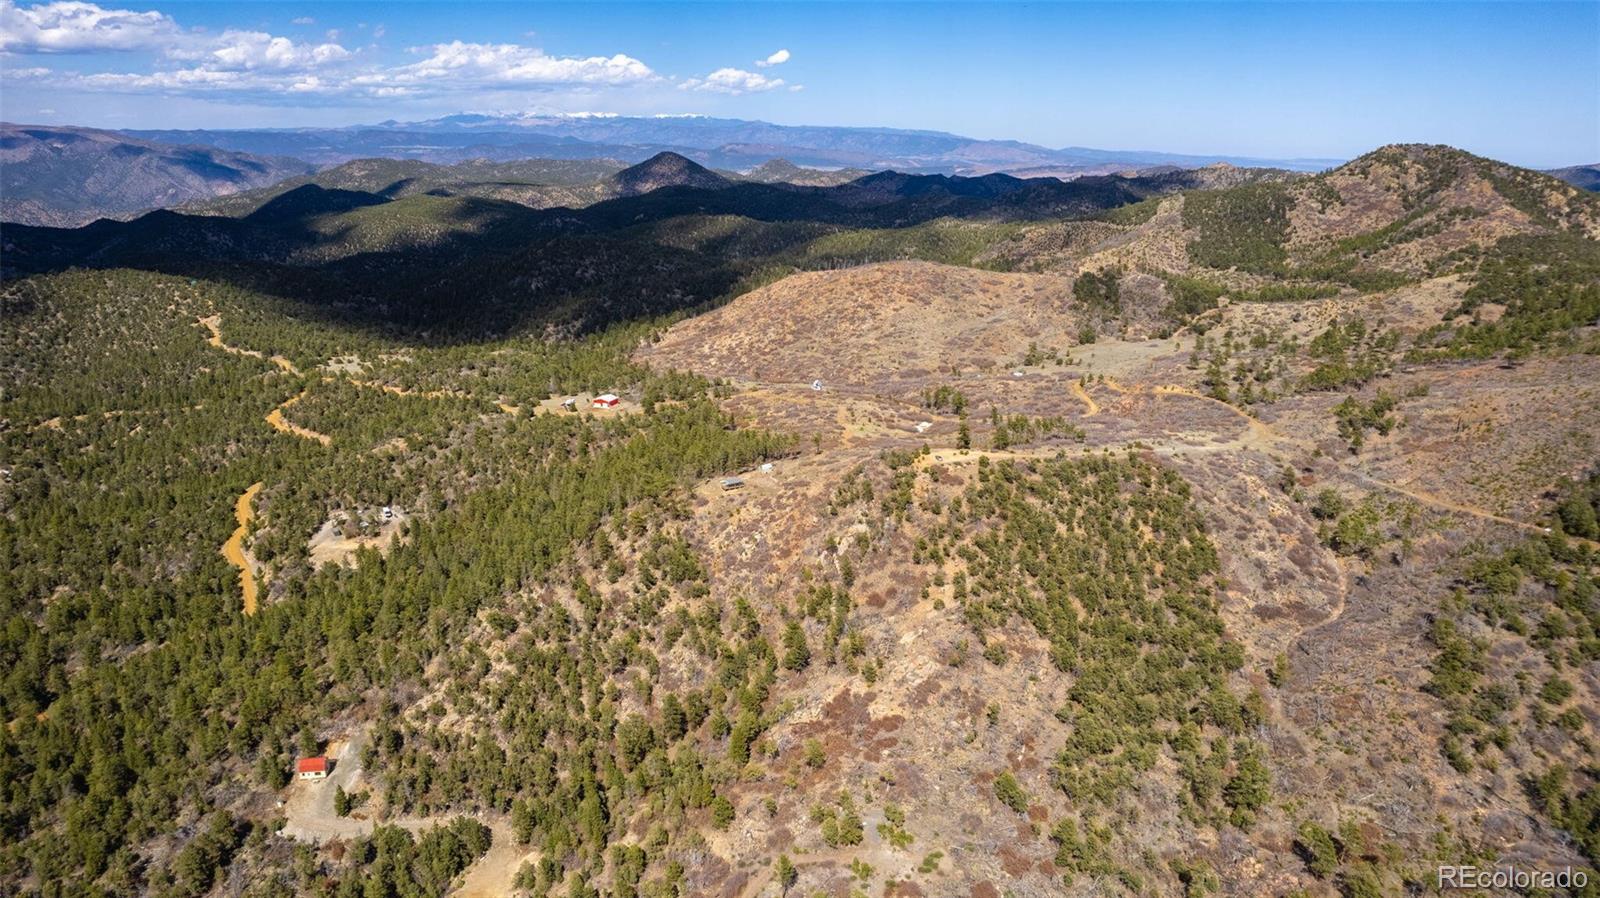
{"x": 1091, "y": 407}
{"x": 213, "y": 324}
{"x": 244, "y": 511}
{"x": 276, "y": 419}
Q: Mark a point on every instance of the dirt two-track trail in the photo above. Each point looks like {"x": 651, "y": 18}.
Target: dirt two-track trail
{"x": 1091, "y": 408}
{"x": 213, "y": 323}
{"x": 244, "y": 511}
{"x": 282, "y": 425}
{"x": 1264, "y": 436}
{"x": 274, "y": 418}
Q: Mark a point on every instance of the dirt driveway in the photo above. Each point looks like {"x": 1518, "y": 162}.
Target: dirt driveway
{"x": 309, "y": 806}
{"x": 311, "y": 818}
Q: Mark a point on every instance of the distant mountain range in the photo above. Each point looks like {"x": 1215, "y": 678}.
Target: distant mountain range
{"x": 70, "y": 176}
{"x": 66, "y": 176}
{"x": 1583, "y": 177}
{"x": 715, "y": 142}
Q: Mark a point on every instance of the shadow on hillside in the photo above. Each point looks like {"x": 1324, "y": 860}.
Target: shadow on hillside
{"x": 461, "y": 269}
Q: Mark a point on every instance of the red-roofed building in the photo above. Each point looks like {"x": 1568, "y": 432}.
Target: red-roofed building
{"x": 605, "y": 400}
{"x": 313, "y": 768}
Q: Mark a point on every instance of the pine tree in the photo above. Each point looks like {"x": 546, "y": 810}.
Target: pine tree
{"x": 797, "y": 652}
{"x": 787, "y": 874}
{"x": 722, "y": 812}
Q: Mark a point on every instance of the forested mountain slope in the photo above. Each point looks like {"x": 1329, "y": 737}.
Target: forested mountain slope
{"x": 1586, "y": 177}
{"x": 1217, "y": 532}
{"x": 460, "y": 260}
{"x": 536, "y": 183}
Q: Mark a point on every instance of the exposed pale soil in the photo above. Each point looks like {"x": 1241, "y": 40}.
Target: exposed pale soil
{"x": 329, "y": 545}
{"x": 309, "y": 814}
{"x": 244, "y": 511}
{"x": 282, "y": 425}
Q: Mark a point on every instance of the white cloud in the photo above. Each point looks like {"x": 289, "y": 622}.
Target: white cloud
{"x": 256, "y": 63}
{"x": 778, "y": 58}
{"x": 192, "y": 60}
{"x": 201, "y": 81}
{"x": 733, "y": 81}
{"x": 459, "y": 64}
{"x": 250, "y": 50}
{"x": 303, "y": 20}
{"x": 241, "y": 62}
{"x": 260, "y": 79}
{"x": 76, "y": 27}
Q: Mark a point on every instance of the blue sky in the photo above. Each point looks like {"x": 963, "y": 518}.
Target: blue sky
{"x": 1516, "y": 81}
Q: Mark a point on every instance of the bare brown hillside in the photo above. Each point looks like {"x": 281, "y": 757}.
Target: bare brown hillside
{"x": 1336, "y": 636}
{"x": 1400, "y": 213}
{"x": 898, "y": 320}
{"x": 1417, "y": 204}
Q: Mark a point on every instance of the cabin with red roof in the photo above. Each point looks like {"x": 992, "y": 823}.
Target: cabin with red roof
{"x": 313, "y": 768}
{"x": 605, "y": 400}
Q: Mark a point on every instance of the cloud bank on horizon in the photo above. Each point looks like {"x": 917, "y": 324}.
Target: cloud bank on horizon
{"x": 265, "y": 67}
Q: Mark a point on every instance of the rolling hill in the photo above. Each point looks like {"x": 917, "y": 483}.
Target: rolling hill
{"x": 782, "y": 171}
{"x": 922, "y": 317}
{"x": 560, "y": 265}
{"x": 64, "y": 177}
{"x": 664, "y": 170}
{"x": 536, "y": 183}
